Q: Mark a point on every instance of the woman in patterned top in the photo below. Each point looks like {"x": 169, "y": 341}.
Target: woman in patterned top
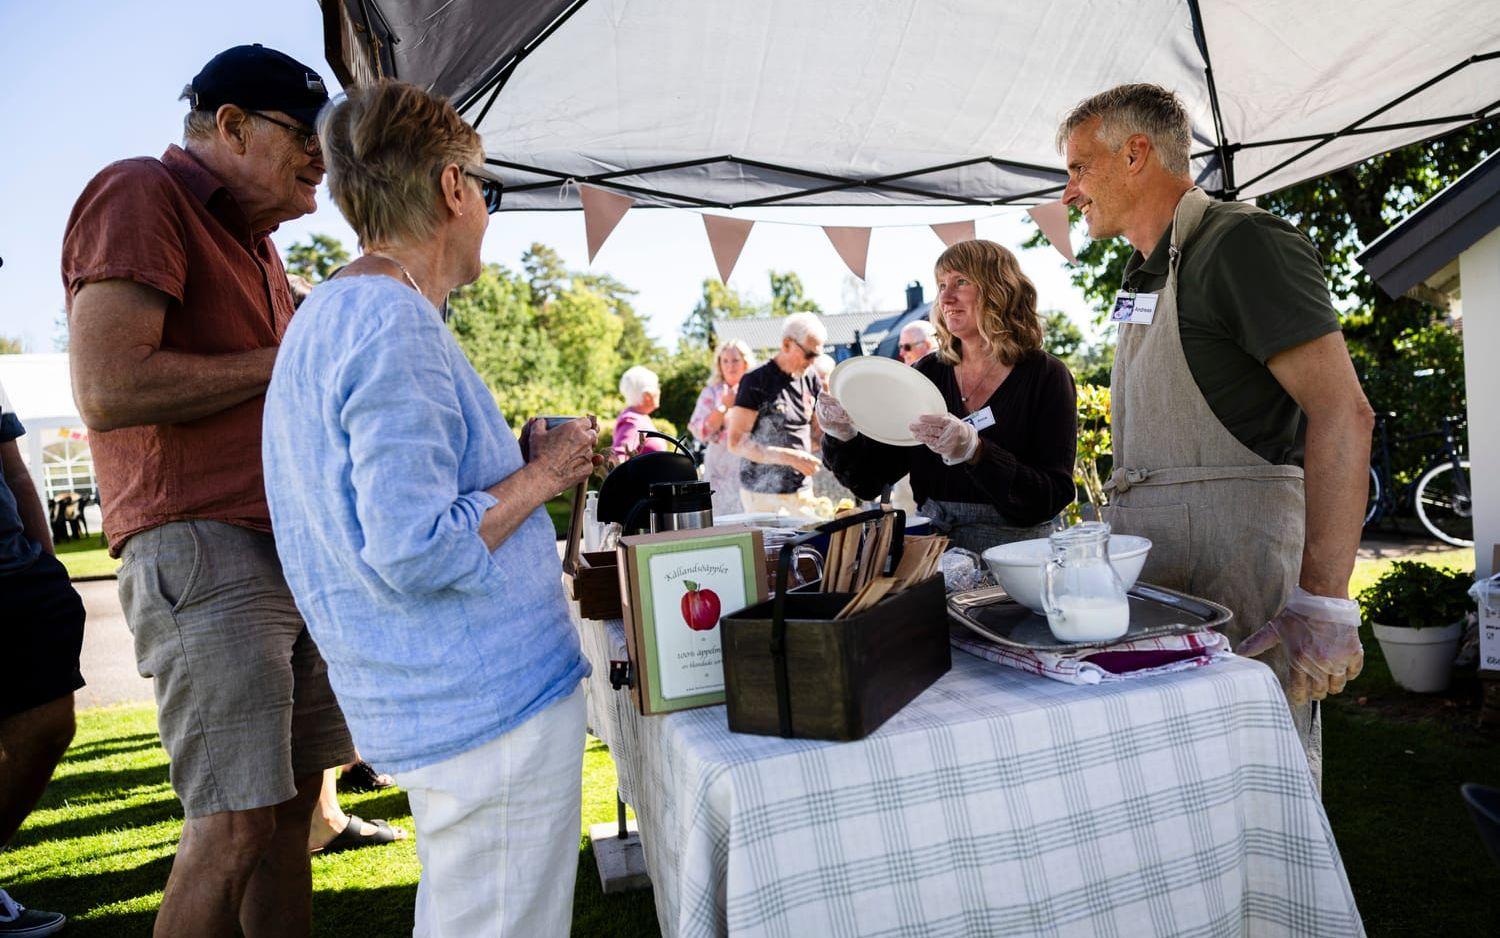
{"x": 721, "y": 467}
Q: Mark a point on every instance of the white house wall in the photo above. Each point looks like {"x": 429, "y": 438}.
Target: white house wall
{"x": 1480, "y": 273}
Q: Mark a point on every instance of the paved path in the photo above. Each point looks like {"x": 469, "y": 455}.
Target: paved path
{"x": 108, "y": 660}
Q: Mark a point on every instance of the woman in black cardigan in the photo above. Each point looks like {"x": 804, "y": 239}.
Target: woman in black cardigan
{"x": 998, "y": 466}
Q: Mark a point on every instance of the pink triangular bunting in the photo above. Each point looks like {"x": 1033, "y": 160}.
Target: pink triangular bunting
{"x": 726, "y": 238}
{"x": 954, "y": 231}
{"x": 1052, "y": 218}
{"x": 602, "y": 211}
{"x": 853, "y": 245}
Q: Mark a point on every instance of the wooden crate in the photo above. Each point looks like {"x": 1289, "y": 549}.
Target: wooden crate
{"x": 843, "y": 678}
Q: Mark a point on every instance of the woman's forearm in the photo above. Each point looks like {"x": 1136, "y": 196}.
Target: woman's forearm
{"x": 516, "y": 497}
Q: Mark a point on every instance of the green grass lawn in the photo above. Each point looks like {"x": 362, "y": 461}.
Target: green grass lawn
{"x": 87, "y": 557}
{"x": 100, "y": 845}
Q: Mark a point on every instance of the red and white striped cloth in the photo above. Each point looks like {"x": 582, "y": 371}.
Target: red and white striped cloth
{"x": 1117, "y": 663}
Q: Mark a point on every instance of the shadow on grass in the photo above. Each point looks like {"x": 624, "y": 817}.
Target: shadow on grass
{"x": 104, "y": 784}
{"x": 145, "y": 814}
{"x": 386, "y": 804}
{"x": 102, "y": 748}
{"x": 76, "y": 894}
{"x": 623, "y": 913}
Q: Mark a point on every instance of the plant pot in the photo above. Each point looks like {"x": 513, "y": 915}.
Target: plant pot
{"x": 1421, "y": 660}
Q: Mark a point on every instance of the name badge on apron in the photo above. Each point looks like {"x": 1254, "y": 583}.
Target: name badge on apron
{"x": 1138, "y": 308}
{"x": 981, "y": 419}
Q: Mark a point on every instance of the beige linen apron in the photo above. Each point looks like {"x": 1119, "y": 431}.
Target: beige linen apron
{"x": 1225, "y": 524}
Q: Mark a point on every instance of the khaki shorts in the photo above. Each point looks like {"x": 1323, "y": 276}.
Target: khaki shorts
{"x": 244, "y": 705}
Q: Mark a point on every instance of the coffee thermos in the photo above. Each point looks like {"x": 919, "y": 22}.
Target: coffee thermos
{"x": 681, "y": 506}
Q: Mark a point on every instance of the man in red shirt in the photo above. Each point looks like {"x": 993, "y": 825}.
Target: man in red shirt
{"x": 177, "y": 302}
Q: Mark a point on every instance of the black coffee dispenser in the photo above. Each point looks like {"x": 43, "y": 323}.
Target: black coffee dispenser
{"x": 656, "y": 492}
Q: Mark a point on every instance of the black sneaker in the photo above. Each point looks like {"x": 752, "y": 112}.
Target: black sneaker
{"x": 17, "y": 921}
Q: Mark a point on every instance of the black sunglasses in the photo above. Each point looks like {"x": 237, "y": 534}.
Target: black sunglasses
{"x": 491, "y": 188}
{"x": 309, "y": 138}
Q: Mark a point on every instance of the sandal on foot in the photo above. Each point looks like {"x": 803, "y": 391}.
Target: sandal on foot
{"x": 361, "y": 776}
{"x": 350, "y": 837}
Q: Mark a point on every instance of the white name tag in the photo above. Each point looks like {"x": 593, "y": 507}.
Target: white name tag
{"x": 980, "y": 419}
{"x": 1138, "y": 308}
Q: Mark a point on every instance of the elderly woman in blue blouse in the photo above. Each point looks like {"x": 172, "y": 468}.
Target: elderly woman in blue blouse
{"x": 412, "y": 531}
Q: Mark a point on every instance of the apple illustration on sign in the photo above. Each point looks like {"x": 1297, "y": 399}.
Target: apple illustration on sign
{"x": 700, "y": 607}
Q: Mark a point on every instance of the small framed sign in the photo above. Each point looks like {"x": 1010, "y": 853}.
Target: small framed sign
{"x": 675, "y": 586}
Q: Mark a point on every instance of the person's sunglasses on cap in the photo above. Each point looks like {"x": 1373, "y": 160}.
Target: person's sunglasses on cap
{"x": 489, "y": 184}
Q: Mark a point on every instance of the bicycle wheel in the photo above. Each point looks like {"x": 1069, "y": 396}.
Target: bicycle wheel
{"x": 1372, "y": 507}
{"x": 1443, "y": 509}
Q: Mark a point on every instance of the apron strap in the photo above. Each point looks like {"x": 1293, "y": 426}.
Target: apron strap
{"x": 1123, "y": 479}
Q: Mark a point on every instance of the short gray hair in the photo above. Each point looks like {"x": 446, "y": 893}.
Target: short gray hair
{"x": 799, "y": 327}
{"x": 196, "y": 124}
{"x": 636, "y": 382}
{"x": 1138, "y": 108}
{"x": 928, "y": 330}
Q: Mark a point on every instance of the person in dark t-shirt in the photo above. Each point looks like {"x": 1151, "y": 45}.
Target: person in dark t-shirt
{"x": 771, "y": 424}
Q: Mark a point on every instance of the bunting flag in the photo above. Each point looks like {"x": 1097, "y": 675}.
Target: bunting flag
{"x": 602, "y": 211}
{"x": 1052, "y": 218}
{"x": 954, "y": 232}
{"x": 726, "y": 237}
{"x": 853, "y": 245}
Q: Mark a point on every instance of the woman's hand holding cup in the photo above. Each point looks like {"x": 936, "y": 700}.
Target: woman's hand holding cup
{"x": 563, "y": 455}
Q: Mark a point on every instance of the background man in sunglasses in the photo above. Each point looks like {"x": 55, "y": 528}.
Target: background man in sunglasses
{"x": 917, "y": 339}
{"x": 771, "y": 424}
{"x": 177, "y": 302}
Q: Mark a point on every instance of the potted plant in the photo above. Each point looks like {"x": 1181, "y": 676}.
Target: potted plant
{"x": 1417, "y": 613}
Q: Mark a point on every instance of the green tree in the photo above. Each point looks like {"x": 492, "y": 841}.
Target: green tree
{"x": 636, "y": 347}
{"x": 11, "y": 345}
{"x": 719, "y": 301}
{"x": 546, "y": 274}
{"x": 788, "y": 296}
{"x": 317, "y": 258}
{"x": 683, "y": 377}
{"x": 1061, "y": 336}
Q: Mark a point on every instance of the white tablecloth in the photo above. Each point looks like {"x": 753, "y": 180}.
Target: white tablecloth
{"x": 996, "y": 803}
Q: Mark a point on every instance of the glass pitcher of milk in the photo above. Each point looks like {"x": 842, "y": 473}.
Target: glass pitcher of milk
{"x": 1081, "y": 592}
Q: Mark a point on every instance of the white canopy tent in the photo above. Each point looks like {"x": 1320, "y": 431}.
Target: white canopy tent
{"x": 720, "y": 104}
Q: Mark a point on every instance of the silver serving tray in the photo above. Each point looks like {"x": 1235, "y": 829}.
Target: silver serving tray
{"x": 1155, "y": 611}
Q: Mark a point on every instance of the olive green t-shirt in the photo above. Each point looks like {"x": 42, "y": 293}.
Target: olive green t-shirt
{"x": 1249, "y": 286}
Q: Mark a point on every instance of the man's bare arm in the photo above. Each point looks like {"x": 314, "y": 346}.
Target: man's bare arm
{"x": 737, "y": 426}
{"x": 28, "y": 503}
{"x": 123, "y": 378}
{"x": 1320, "y": 378}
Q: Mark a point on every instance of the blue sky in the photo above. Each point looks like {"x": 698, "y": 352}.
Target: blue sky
{"x": 87, "y": 82}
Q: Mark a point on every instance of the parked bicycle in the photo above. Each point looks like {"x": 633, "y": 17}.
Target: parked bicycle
{"x": 1441, "y": 495}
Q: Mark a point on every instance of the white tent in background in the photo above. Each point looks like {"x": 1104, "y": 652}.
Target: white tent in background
{"x": 726, "y": 104}
{"x": 56, "y": 445}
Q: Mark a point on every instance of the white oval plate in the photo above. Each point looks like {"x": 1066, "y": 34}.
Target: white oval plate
{"x": 883, "y": 397}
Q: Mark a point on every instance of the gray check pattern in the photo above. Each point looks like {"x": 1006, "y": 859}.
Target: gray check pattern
{"x": 996, "y": 803}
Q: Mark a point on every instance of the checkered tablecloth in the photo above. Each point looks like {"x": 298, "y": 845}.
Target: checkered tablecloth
{"x": 996, "y": 803}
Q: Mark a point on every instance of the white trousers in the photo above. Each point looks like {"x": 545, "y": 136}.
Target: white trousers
{"x": 497, "y": 831}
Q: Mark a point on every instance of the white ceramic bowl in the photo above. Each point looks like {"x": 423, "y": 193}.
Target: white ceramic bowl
{"x": 1019, "y": 567}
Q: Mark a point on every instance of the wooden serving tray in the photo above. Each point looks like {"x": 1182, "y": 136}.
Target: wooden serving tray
{"x": 1155, "y": 611}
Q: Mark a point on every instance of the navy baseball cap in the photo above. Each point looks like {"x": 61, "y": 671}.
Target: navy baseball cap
{"x": 258, "y": 79}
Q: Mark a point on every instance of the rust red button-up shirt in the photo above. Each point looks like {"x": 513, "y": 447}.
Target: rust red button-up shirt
{"x": 171, "y": 225}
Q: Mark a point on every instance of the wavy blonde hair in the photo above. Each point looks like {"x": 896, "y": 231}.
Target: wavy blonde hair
{"x": 385, "y": 145}
{"x": 716, "y": 375}
{"x": 1007, "y": 302}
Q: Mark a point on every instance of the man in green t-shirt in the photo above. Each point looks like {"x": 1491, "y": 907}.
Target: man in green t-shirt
{"x": 1230, "y": 369}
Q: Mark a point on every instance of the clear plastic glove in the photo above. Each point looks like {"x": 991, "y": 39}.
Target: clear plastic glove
{"x": 1321, "y": 638}
{"x": 947, "y": 436}
{"x": 833, "y": 418}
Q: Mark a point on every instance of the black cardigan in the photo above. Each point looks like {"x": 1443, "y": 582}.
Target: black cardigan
{"x": 1025, "y": 466}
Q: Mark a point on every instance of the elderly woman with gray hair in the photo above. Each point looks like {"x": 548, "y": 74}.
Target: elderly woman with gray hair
{"x": 642, "y": 392}
{"x": 412, "y": 533}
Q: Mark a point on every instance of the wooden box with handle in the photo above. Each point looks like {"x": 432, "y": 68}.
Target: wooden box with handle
{"x": 795, "y": 667}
